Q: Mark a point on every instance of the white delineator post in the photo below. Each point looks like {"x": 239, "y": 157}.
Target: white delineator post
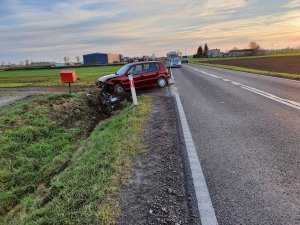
{"x": 132, "y": 88}
{"x": 171, "y": 81}
{"x": 171, "y": 73}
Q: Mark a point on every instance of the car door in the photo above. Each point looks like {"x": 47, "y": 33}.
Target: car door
{"x": 137, "y": 73}
{"x": 150, "y": 73}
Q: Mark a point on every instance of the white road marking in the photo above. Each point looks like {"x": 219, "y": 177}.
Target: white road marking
{"x": 293, "y": 104}
{"x": 273, "y": 97}
{"x": 205, "y": 206}
{"x": 235, "y": 83}
{"x": 226, "y": 79}
{"x": 272, "y": 77}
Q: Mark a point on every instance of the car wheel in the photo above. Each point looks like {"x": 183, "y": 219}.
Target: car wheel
{"x": 119, "y": 89}
{"x": 162, "y": 82}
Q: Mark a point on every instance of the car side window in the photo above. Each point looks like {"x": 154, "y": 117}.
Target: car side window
{"x": 135, "y": 70}
{"x": 149, "y": 67}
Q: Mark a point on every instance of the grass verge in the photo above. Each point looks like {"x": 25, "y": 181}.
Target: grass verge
{"x": 85, "y": 191}
{"x": 38, "y": 136}
{"x": 248, "y": 70}
{"x": 86, "y": 76}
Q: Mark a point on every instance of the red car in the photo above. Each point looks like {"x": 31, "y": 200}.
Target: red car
{"x": 145, "y": 74}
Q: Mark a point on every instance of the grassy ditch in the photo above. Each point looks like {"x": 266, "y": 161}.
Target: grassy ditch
{"x": 86, "y": 76}
{"x": 248, "y": 70}
{"x": 52, "y": 173}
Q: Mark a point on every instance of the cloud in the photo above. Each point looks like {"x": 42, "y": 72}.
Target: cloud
{"x": 53, "y": 29}
{"x": 292, "y": 4}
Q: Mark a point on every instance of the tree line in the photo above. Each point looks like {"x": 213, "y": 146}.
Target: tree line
{"x": 201, "y": 52}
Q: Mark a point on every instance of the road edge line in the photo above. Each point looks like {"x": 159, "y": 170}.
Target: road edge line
{"x": 205, "y": 206}
{"x": 258, "y": 74}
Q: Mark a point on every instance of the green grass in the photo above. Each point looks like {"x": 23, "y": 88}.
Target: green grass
{"x": 36, "y": 141}
{"x": 268, "y": 55}
{"x": 33, "y": 191}
{"x": 248, "y": 70}
{"x": 86, "y": 76}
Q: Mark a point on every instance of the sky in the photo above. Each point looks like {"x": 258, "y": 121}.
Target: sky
{"x": 48, "y": 30}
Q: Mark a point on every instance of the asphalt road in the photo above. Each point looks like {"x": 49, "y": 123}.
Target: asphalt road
{"x": 246, "y": 129}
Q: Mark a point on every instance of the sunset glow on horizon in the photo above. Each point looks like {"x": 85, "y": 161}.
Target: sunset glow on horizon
{"x": 51, "y": 29}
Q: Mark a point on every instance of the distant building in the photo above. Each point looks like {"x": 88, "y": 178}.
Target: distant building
{"x": 212, "y": 53}
{"x": 246, "y": 52}
{"x": 153, "y": 56}
{"x": 174, "y": 54}
{"x": 59, "y": 65}
{"x": 101, "y": 58}
{"x": 41, "y": 63}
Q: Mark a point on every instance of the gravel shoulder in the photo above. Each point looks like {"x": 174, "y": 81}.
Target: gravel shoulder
{"x": 156, "y": 193}
{"x": 7, "y": 99}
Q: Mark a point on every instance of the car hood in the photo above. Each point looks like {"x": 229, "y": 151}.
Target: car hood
{"x": 106, "y": 77}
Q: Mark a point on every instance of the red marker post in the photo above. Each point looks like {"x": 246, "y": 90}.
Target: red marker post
{"x": 132, "y": 88}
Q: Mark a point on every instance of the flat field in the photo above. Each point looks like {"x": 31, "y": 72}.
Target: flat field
{"x": 267, "y": 55}
{"x": 277, "y": 64}
{"x": 86, "y": 76}
{"x": 287, "y": 64}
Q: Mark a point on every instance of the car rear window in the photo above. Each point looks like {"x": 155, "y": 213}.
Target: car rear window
{"x": 149, "y": 67}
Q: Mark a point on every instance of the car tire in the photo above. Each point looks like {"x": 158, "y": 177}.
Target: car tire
{"x": 119, "y": 89}
{"x": 162, "y": 82}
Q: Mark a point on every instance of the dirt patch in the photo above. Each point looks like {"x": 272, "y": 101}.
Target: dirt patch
{"x": 73, "y": 112}
{"x": 156, "y": 193}
{"x": 287, "y": 64}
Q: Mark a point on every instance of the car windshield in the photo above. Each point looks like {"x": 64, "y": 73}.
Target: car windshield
{"x": 184, "y": 56}
{"x": 176, "y": 60}
{"x": 123, "y": 70}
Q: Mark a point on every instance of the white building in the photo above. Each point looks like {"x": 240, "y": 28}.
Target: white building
{"x": 212, "y": 53}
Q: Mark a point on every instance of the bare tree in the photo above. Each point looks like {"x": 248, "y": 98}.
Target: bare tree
{"x": 66, "y": 59}
{"x": 21, "y": 63}
{"x": 253, "y": 45}
{"x": 2, "y": 63}
{"x": 78, "y": 59}
{"x": 27, "y": 62}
